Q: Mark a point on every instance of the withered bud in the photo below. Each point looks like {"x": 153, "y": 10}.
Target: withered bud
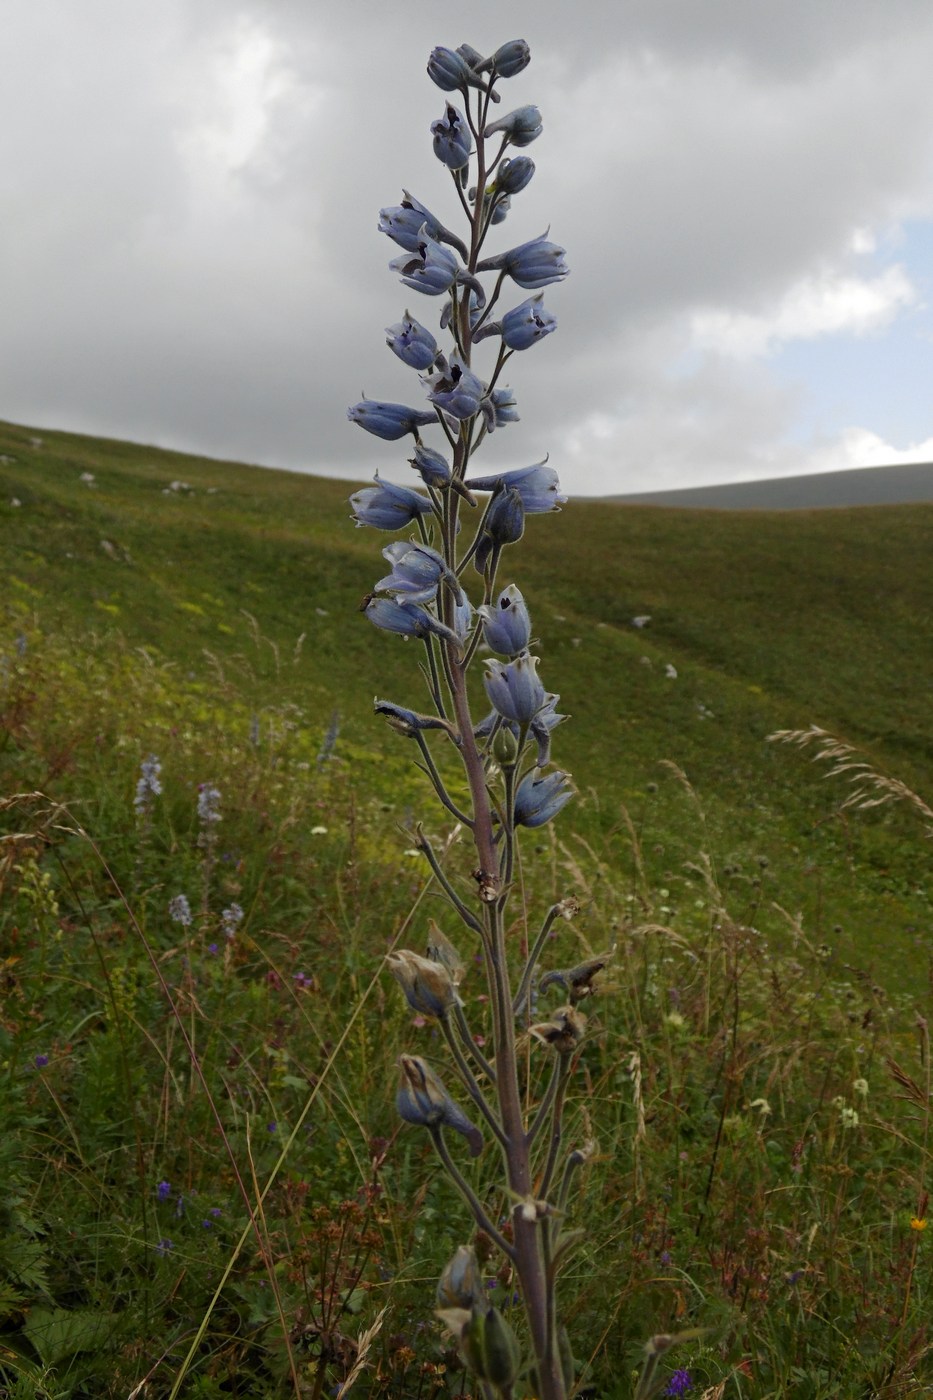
{"x": 577, "y": 981}
{"x": 441, "y": 950}
{"x": 563, "y": 1032}
{"x": 428, "y": 987}
{"x": 423, "y": 1101}
{"x": 461, "y": 1283}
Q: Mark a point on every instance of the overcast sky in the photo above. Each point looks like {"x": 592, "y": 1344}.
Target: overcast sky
{"x": 189, "y": 253}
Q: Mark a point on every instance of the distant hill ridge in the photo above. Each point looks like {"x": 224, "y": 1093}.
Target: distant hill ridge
{"x": 860, "y": 486}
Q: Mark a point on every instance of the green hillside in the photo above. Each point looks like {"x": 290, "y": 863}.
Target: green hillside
{"x": 771, "y": 621}
{"x": 208, "y": 847}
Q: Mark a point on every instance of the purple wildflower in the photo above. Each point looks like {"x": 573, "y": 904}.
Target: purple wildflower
{"x": 208, "y": 804}
{"x": 41, "y": 1061}
{"x": 164, "y": 1190}
{"x": 149, "y": 784}
{"x": 230, "y": 919}
{"x": 164, "y": 1246}
{"x": 680, "y": 1382}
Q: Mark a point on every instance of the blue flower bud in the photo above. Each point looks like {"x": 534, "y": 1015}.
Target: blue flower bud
{"x": 499, "y": 408}
{"x": 429, "y": 267}
{"x": 412, "y": 342}
{"x": 514, "y": 689}
{"x": 455, "y": 389}
{"x": 534, "y": 264}
{"x": 500, "y": 211}
{"x": 463, "y": 618}
{"x": 461, "y": 1283}
{"x": 520, "y": 127}
{"x": 451, "y": 138}
{"x": 528, "y": 323}
{"x": 432, "y": 467}
{"x": 450, "y": 69}
{"x": 423, "y": 1101}
{"x": 473, "y": 57}
{"x": 387, "y": 507}
{"x": 538, "y": 799}
{"x": 511, "y": 58}
{"x": 513, "y": 175}
{"x": 407, "y": 619}
{"x": 505, "y": 519}
{"x": 389, "y": 420}
{"x": 417, "y": 570}
{"x": 506, "y": 623}
{"x": 538, "y": 487}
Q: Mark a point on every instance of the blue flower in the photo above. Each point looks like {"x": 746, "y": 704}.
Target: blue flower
{"x": 412, "y": 342}
{"x": 538, "y": 487}
{"x": 208, "y": 804}
{"x": 389, "y": 421}
{"x": 499, "y": 408}
{"x": 432, "y": 467}
{"x": 680, "y": 1382}
{"x": 407, "y": 619}
{"x": 149, "y": 784}
{"x": 406, "y": 223}
{"x": 533, "y": 264}
{"x": 455, "y": 389}
{"x": 506, "y": 623}
{"x": 513, "y": 175}
{"x": 514, "y": 689}
{"x": 41, "y": 1061}
{"x": 388, "y": 507}
{"x": 520, "y": 127}
{"x": 538, "y": 798}
{"x": 451, "y": 138}
{"x": 417, "y": 570}
{"x": 164, "y": 1246}
{"x": 429, "y": 267}
{"x": 164, "y": 1190}
{"x": 544, "y": 721}
{"x": 528, "y": 323}
{"x": 511, "y": 58}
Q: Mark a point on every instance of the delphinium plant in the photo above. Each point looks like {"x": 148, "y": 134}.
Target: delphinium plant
{"x": 455, "y": 538}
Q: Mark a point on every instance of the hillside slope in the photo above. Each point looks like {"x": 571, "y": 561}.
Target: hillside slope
{"x": 757, "y": 622}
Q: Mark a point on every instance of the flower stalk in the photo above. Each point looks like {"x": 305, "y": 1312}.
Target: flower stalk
{"x": 425, "y": 595}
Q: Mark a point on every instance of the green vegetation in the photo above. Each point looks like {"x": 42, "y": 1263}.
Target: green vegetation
{"x": 759, "y": 1163}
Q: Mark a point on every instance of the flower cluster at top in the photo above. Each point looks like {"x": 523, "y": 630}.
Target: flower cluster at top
{"x": 424, "y": 593}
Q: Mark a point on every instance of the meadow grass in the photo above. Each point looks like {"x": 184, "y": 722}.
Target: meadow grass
{"x": 208, "y": 1191}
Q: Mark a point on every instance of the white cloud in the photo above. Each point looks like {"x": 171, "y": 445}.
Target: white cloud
{"x": 828, "y": 304}
{"x": 860, "y": 447}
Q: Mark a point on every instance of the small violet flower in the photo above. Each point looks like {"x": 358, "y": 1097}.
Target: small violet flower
{"x": 41, "y": 1061}
{"x": 680, "y": 1382}
{"x": 163, "y": 1190}
{"x": 389, "y": 421}
{"x": 388, "y": 507}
